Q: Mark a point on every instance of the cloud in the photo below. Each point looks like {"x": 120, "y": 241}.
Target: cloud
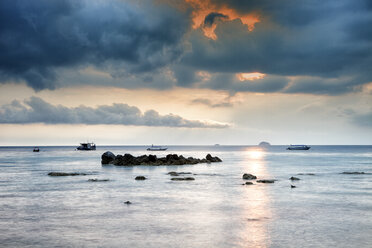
{"x": 212, "y": 17}
{"x": 225, "y": 104}
{"x": 321, "y": 47}
{"x": 329, "y": 41}
{"x": 35, "y": 110}
{"x": 39, "y": 37}
{"x": 363, "y": 120}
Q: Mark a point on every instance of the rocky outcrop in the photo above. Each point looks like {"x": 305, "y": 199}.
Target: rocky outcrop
{"x": 212, "y": 159}
{"x": 248, "y": 176}
{"x": 64, "y": 174}
{"x": 140, "y": 178}
{"x": 248, "y": 183}
{"x": 294, "y": 178}
{"x": 170, "y": 159}
{"x": 107, "y": 157}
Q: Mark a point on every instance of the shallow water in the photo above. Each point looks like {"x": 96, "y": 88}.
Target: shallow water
{"x": 216, "y": 210}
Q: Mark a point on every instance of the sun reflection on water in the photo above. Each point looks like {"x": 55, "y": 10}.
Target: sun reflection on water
{"x": 256, "y": 206}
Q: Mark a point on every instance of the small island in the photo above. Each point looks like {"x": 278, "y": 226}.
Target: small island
{"x": 264, "y": 144}
{"x": 171, "y": 159}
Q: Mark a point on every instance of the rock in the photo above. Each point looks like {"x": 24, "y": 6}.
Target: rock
{"x": 127, "y": 202}
{"x": 107, "y": 157}
{"x": 212, "y": 159}
{"x": 307, "y": 174}
{"x": 248, "y": 183}
{"x": 98, "y": 180}
{"x": 292, "y": 186}
{"x": 248, "y": 176}
{"x": 294, "y": 178}
{"x": 265, "y": 181}
{"x": 170, "y": 159}
{"x": 140, "y": 178}
{"x": 175, "y": 174}
{"x": 152, "y": 158}
{"x": 64, "y": 174}
{"x": 353, "y": 172}
{"x": 182, "y": 178}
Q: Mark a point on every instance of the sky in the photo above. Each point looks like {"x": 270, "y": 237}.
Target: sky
{"x": 185, "y": 72}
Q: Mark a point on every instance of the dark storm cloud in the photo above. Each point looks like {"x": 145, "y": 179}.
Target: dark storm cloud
{"x": 212, "y": 17}
{"x": 143, "y": 45}
{"x": 35, "y": 110}
{"x": 37, "y": 37}
{"x": 329, "y": 40}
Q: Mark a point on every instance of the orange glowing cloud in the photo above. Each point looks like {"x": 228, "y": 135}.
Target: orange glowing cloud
{"x": 250, "y": 76}
{"x": 201, "y": 9}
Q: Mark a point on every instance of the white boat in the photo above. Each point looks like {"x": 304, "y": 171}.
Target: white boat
{"x": 86, "y": 146}
{"x": 298, "y": 147}
{"x": 156, "y": 148}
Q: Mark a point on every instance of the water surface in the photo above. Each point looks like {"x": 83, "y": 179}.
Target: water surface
{"x": 216, "y": 210}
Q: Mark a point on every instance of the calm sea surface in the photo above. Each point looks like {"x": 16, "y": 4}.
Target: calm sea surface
{"x": 216, "y": 210}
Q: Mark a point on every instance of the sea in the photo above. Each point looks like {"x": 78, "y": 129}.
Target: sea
{"x": 326, "y": 208}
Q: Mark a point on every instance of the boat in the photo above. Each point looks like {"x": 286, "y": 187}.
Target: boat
{"x": 36, "y": 149}
{"x": 156, "y": 148}
{"x": 86, "y": 146}
{"x": 298, "y": 147}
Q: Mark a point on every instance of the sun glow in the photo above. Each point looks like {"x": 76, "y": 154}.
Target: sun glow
{"x": 250, "y": 76}
{"x": 257, "y": 212}
{"x": 201, "y": 9}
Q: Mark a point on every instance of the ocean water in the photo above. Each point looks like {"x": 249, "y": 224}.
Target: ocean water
{"x": 324, "y": 210}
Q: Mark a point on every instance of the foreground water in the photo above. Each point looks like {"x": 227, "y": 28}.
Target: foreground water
{"x": 216, "y": 210}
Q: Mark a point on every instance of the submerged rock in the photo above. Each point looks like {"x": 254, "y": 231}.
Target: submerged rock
{"x": 170, "y": 159}
{"x": 294, "y": 178}
{"x": 127, "y": 202}
{"x": 175, "y": 174}
{"x": 353, "y": 172}
{"x": 140, "y": 178}
{"x": 306, "y": 174}
{"x": 292, "y": 186}
{"x": 265, "y": 181}
{"x": 248, "y": 183}
{"x": 248, "y": 176}
{"x": 182, "y": 179}
{"x": 64, "y": 174}
{"x": 98, "y": 180}
{"x": 107, "y": 157}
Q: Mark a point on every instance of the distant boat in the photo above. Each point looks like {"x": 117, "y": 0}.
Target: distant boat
{"x": 298, "y": 147}
{"x": 86, "y": 146}
{"x": 156, "y": 148}
{"x": 36, "y": 149}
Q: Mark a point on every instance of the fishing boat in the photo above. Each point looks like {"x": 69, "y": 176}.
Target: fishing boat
{"x": 156, "y": 148}
{"x": 86, "y": 146}
{"x": 36, "y": 149}
{"x": 298, "y": 147}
